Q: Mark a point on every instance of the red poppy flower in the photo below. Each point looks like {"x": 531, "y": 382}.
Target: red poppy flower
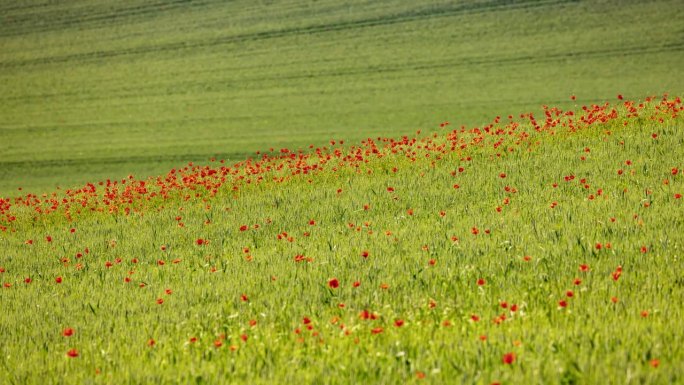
{"x": 398, "y": 323}
{"x": 377, "y": 330}
{"x": 244, "y": 298}
{"x": 508, "y": 358}
{"x": 160, "y": 301}
{"x": 68, "y": 332}
{"x": 333, "y": 283}
{"x": 151, "y": 342}
{"x": 73, "y": 353}
{"x": 481, "y": 282}
{"x": 367, "y": 315}
{"x": 365, "y": 253}
{"x": 562, "y": 303}
{"x": 58, "y": 279}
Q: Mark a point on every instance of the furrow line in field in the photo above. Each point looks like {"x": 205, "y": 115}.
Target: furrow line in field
{"x": 19, "y": 7}
{"x": 135, "y": 159}
{"x": 51, "y": 22}
{"x": 185, "y": 87}
{"x": 315, "y": 29}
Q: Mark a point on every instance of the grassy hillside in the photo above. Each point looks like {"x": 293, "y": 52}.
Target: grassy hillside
{"x": 535, "y": 249}
{"x": 91, "y": 90}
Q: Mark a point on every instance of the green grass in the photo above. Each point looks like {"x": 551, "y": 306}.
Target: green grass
{"x": 592, "y": 340}
{"x": 92, "y": 90}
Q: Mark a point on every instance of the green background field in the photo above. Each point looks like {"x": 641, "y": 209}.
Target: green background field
{"x": 91, "y": 90}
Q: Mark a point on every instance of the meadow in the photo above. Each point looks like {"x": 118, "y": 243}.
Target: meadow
{"x": 533, "y": 249}
{"x": 93, "y": 90}
{"x": 334, "y": 192}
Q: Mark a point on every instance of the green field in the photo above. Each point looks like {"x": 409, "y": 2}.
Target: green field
{"x": 341, "y": 192}
{"x": 543, "y": 250}
{"x": 91, "y": 90}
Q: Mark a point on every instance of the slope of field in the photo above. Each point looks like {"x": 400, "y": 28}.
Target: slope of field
{"x": 92, "y": 90}
{"x": 535, "y": 249}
